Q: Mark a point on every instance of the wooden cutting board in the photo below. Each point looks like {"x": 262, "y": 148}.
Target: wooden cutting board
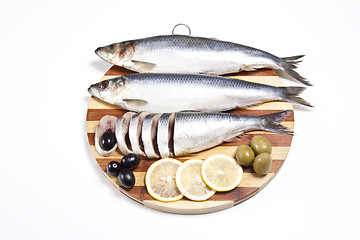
{"x": 251, "y": 183}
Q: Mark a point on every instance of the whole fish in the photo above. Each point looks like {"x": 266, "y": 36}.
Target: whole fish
{"x": 189, "y": 132}
{"x": 161, "y": 92}
{"x": 187, "y": 54}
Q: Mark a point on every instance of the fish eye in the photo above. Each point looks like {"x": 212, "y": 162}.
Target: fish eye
{"x": 103, "y": 84}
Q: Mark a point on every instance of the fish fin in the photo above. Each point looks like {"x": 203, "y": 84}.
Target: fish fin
{"x": 293, "y": 58}
{"x": 135, "y": 103}
{"x": 143, "y": 66}
{"x": 271, "y": 122}
{"x": 291, "y": 94}
{"x": 289, "y": 64}
{"x": 190, "y": 111}
{"x": 233, "y": 139}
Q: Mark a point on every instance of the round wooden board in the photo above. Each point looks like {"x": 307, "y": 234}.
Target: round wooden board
{"x": 251, "y": 183}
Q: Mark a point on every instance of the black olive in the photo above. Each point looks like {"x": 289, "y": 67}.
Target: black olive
{"x": 130, "y": 161}
{"x": 107, "y": 140}
{"x": 126, "y": 178}
{"x": 113, "y": 168}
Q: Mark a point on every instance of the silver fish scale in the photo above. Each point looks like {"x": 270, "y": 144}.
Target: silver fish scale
{"x": 197, "y": 44}
{"x": 187, "y": 54}
{"x": 195, "y": 132}
{"x": 173, "y": 92}
{"x": 215, "y": 120}
{"x": 202, "y": 79}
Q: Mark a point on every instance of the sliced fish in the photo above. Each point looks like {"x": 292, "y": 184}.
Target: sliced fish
{"x": 122, "y": 133}
{"x": 149, "y": 135}
{"x": 135, "y": 127}
{"x": 106, "y": 123}
{"x": 164, "y": 134}
{"x": 181, "y": 133}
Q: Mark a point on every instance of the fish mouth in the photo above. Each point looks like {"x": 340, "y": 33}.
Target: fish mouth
{"x": 100, "y": 52}
{"x": 93, "y": 93}
{"x": 97, "y": 50}
{"x": 90, "y": 90}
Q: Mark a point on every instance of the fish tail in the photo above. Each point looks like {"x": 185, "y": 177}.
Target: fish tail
{"x": 272, "y": 122}
{"x": 291, "y": 94}
{"x": 289, "y": 64}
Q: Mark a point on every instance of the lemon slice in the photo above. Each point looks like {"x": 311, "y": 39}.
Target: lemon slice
{"x": 160, "y": 180}
{"x": 221, "y": 172}
{"x": 189, "y": 181}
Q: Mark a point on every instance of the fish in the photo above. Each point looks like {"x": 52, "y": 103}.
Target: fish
{"x": 189, "y": 54}
{"x": 165, "y": 133}
{"x": 190, "y": 132}
{"x": 149, "y": 133}
{"x": 173, "y": 92}
{"x": 135, "y": 131}
{"x": 105, "y": 127}
{"x": 121, "y": 133}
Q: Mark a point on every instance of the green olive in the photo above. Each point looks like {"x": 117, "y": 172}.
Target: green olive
{"x": 260, "y": 144}
{"x": 244, "y": 155}
{"x": 262, "y": 163}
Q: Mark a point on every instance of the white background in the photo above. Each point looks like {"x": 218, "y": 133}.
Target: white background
{"x": 50, "y": 184}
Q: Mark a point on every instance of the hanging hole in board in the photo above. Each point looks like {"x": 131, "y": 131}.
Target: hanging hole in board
{"x": 181, "y": 24}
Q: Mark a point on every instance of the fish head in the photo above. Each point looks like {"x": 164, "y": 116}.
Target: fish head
{"x": 117, "y": 53}
{"x": 110, "y": 90}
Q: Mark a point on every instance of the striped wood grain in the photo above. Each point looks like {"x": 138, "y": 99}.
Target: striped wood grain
{"x": 251, "y": 183}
